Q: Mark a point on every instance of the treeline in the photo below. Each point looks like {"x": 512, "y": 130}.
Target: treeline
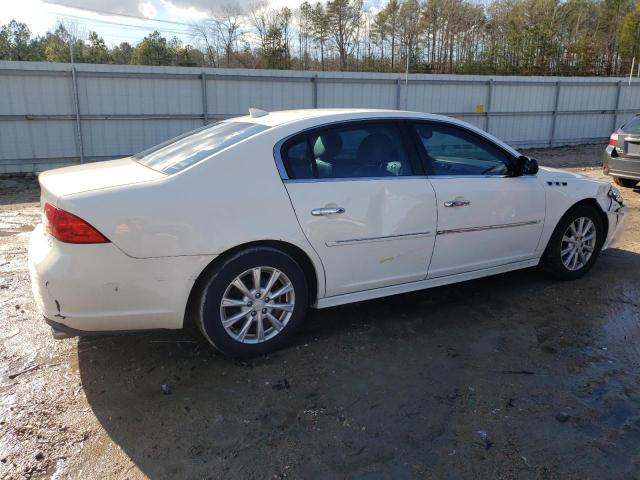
{"x": 526, "y": 37}
{"x": 16, "y": 43}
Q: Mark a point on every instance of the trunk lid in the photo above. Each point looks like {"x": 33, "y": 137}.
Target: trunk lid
{"x": 61, "y": 182}
{"x": 630, "y": 144}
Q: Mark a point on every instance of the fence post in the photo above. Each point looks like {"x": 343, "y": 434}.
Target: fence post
{"x": 615, "y": 110}
{"x": 314, "y": 92}
{"x": 205, "y": 99}
{"x": 398, "y": 93}
{"x": 489, "y": 98}
{"x": 552, "y": 134}
{"x": 76, "y": 102}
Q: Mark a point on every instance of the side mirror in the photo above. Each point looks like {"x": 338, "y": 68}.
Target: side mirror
{"x": 526, "y": 165}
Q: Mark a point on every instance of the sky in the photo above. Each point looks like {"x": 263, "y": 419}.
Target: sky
{"x": 170, "y": 17}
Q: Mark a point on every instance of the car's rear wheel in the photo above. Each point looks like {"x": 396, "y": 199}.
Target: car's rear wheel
{"x": 253, "y": 302}
{"x": 574, "y": 244}
{"x": 625, "y": 182}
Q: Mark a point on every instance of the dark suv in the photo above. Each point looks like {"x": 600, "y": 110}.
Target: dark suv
{"x": 622, "y": 155}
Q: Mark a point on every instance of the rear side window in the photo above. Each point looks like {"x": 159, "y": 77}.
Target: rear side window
{"x": 632, "y": 126}
{"x": 348, "y": 151}
{"x": 181, "y": 152}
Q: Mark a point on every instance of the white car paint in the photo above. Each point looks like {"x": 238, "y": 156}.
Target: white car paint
{"x": 513, "y": 206}
{"x": 394, "y": 236}
{"x": 388, "y": 224}
{"x": 98, "y": 287}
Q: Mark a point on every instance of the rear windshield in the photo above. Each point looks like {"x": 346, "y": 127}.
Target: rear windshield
{"x": 632, "y": 126}
{"x": 190, "y": 148}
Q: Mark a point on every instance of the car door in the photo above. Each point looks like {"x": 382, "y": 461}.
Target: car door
{"x": 486, "y": 216}
{"x": 359, "y": 198}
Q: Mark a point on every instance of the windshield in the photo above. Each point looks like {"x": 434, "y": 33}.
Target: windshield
{"x": 190, "y": 148}
{"x": 632, "y": 126}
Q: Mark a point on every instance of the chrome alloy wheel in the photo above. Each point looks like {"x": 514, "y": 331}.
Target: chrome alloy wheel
{"x": 257, "y": 305}
{"x": 578, "y": 243}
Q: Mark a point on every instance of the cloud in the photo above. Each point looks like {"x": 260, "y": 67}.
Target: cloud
{"x": 208, "y": 5}
{"x": 148, "y": 7}
{"x": 127, "y": 7}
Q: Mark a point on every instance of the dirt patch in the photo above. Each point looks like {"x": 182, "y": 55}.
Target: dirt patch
{"x": 573, "y": 156}
{"x": 513, "y": 376}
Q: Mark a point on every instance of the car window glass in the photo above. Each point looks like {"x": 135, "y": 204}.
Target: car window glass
{"x": 632, "y": 126}
{"x": 299, "y": 159}
{"x": 454, "y": 151}
{"x": 366, "y": 150}
{"x": 192, "y": 147}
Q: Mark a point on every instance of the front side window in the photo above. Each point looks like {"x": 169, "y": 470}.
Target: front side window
{"x": 181, "y": 152}
{"x": 349, "y": 151}
{"x": 453, "y": 151}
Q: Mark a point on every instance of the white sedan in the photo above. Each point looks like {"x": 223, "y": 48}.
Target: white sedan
{"x": 241, "y": 225}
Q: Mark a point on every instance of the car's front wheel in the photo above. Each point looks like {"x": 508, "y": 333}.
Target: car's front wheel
{"x": 574, "y": 244}
{"x": 253, "y": 302}
{"x": 625, "y": 182}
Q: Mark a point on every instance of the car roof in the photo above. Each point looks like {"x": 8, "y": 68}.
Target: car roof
{"x": 330, "y": 115}
{"x": 280, "y": 117}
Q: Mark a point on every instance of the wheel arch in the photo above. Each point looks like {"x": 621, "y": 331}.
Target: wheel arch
{"x": 590, "y": 202}
{"x": 303, "y": 259}
{"x": 593, "y": 202}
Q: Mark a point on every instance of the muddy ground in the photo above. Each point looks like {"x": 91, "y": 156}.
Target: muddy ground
{"x": 513, "y": 376}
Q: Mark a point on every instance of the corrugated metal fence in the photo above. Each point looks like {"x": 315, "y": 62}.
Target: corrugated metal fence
{"x": 54, "y": 114}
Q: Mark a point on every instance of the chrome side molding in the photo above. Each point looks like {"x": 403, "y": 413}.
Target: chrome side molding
{"x": 488, "y": 227}
{"x": 352, "y": 241}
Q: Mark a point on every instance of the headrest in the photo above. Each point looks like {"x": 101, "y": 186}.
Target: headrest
{"x": 376, "y": 149}
{"x": 327, "y": 146}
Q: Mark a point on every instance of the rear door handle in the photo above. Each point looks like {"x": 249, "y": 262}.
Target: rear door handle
{"x": 458, "y": 202}
{"x": 317, "y": 212}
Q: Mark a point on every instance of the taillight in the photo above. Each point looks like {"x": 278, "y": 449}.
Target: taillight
{"x": 613, "y": 139}
{"x": 68, "y": 228}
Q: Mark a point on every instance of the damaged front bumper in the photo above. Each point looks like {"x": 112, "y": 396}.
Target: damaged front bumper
{"x": 617, "y": 221}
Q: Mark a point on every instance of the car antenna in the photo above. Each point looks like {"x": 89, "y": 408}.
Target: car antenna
{"x": 256, "y": 112}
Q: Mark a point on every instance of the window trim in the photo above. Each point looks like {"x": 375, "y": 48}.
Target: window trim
{"x": 398, "y": 122}
{"x": 418, "y": 145}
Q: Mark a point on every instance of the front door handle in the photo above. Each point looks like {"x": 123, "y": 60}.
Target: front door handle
{"x": 317, "y": 212}
{"x": 458, "y": 202}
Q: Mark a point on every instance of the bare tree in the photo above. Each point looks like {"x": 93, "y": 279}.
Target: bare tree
{"x": 228, "y": 20}
{"x": 261, "y": 18}
{"x": 220, "y": 33}
{"x": 206, "y": 37}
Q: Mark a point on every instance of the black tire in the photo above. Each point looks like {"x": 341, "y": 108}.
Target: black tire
{"x": 551, "y": 261}
{"x": 208, "y": 307}
{"x": 625, "y": 182}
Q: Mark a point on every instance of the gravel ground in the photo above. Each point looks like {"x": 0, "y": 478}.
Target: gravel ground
{"x": 576, "y": 156}
{"x": 513, "y": 376}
